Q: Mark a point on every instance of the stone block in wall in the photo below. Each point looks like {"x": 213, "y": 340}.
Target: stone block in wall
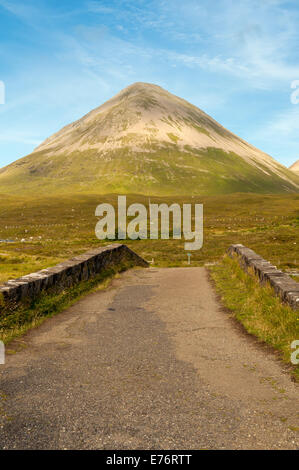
{"x": 68, "y": 273}
{"x": 284, "y": 286}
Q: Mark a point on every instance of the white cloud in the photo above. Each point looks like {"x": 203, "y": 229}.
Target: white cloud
{"x": 96, "y": 7}
{"x": 284, "y": 124}
{"x": 25, "y": 11}
{"x": 281, "y": 134}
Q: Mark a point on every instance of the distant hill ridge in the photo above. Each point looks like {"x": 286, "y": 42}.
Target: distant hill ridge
{"x": 146, "y": 140}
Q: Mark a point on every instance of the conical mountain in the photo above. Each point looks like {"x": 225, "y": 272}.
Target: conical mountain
{"x": 146, "y": 140}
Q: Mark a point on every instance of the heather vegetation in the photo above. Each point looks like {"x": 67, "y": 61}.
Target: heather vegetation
{"x": 42, "y": 231}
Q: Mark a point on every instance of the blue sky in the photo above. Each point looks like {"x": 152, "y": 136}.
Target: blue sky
{"x": 236, "y": 60}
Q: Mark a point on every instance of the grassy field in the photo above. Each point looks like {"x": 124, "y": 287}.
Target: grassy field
{"x": 257, "y": 307}
{"x": 57, "y": 228}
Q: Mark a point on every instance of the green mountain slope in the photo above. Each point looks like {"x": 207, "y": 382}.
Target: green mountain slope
{"x": 146, "y": 140}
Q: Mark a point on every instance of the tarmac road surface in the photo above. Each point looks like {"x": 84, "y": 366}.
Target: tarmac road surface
{"x": 152, "y": 362}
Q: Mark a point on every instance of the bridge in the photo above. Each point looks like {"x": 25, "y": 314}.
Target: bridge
{"x": 151, "y": 362}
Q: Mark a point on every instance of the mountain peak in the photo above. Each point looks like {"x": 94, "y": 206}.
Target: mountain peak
{"x": 140, "y": 86}
{"x": 147, "y": 140}
{"x": 295, "y": 167}
{"x": 143, "y": 114}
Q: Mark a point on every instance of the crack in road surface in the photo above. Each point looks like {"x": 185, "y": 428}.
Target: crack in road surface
{"x": 123, "y": 369}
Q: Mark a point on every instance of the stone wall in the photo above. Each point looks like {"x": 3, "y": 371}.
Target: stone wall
{"x": 284, "y": 286}
{"x": 68, "y": 273}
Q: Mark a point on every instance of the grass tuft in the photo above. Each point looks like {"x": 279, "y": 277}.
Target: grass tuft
{"x": 257, "y": 307}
